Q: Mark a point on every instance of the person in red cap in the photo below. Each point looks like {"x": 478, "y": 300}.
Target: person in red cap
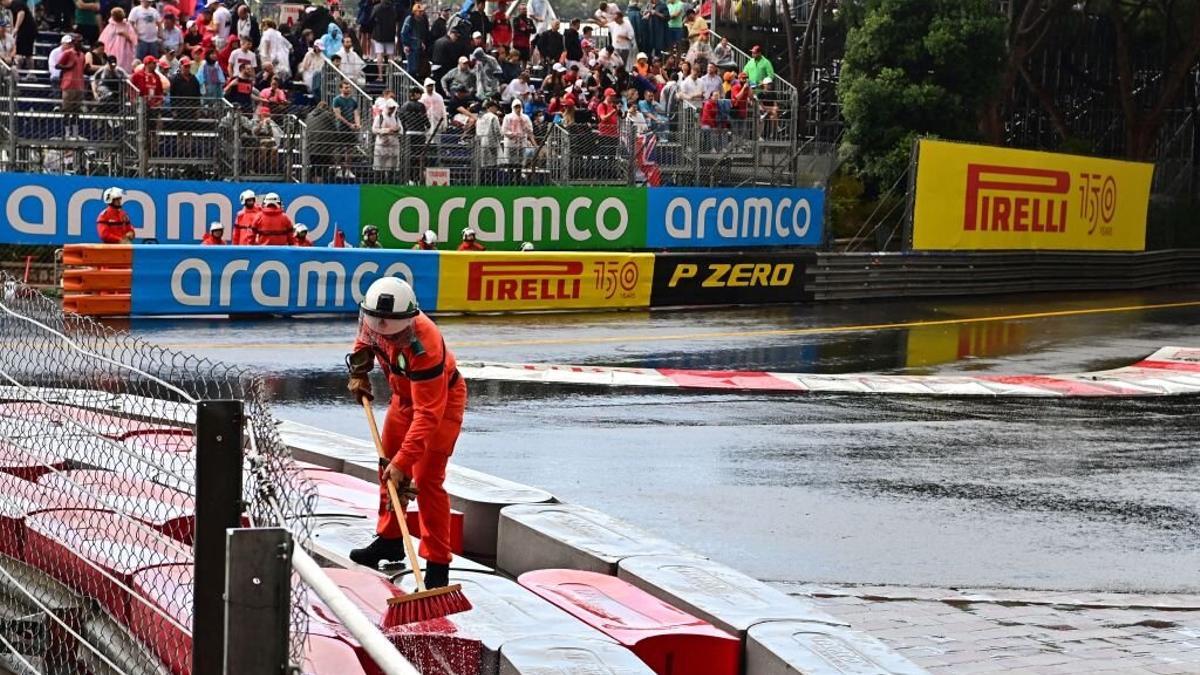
{"x": 150, "y": 86}
{"x": 608, "y": 114}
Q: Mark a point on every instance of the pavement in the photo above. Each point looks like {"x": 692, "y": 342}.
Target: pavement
{"x": 967, "y": 631}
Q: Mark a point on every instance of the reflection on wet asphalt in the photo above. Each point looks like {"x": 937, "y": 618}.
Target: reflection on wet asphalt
{"x": 897, "y": 490}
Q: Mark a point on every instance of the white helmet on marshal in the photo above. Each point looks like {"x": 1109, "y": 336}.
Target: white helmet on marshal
{"x": 389, "y": 307}
{"x": 112, "y": 194}
{"x": 246, "y": 196}
{"x": 301, "y": 228}
{"x": 526, "y": 246}
{"x": 271, "y": 199}
{"x": 429, "y": 237}
{"x": 468, "y": 233}
{"x": 216, "y": 225}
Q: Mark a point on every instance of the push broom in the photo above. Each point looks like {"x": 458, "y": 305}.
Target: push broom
{"x": 423, "y": 604}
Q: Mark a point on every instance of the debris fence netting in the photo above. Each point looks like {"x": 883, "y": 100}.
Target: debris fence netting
{"x": 97, "y": 491}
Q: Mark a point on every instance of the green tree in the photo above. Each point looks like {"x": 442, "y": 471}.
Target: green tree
{"x": 916, "y": 68}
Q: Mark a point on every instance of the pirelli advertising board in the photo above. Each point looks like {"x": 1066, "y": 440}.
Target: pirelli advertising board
{"x": 497, "y": 282}
{"x": 690, "y": 279}
{"x": 974, "y": 197}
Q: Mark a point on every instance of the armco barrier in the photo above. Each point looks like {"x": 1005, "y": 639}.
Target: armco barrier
{"x": 57, "y": 210}
{"x": 744, "y": 278}
{"x": 846, "y": 276}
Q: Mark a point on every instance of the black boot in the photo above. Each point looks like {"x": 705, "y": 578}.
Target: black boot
{"x": 379, "y": 550}
{"x": 437, "y": 575}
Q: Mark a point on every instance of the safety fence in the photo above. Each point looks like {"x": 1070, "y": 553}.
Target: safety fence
{"x": 847, "y": 276}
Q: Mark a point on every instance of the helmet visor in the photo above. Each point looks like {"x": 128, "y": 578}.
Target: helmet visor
{"x": 387, "y": 327}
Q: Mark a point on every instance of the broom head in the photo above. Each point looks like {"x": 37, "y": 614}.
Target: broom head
{"x": 434, "y": 603}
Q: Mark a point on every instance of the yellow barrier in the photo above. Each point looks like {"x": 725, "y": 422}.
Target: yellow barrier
{"x": 974, "y": 197}
{"x": 494, "y": 282}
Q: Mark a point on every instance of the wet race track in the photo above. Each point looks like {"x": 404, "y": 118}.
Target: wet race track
{"x": 1083, "y": 494}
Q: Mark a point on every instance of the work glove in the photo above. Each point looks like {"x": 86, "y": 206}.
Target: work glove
{"x": 405, "y": 490}
{"x": 359, "y": 364}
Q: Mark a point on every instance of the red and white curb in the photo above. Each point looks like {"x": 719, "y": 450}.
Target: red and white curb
{"x": 1170, "y": 371}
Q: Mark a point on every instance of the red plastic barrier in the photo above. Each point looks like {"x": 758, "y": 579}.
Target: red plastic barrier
{"x": 166, "y": 510}
{"x": 160, "y": 440}
{"x": 61, "y": 542}
{"x": 169, "y": 588}
{"x": 70, "y": 419}
{"x": 423, "y": 644}
{"x": 339, "y": 494}
{"x": 18, "y": 499}
{"x": 27, "y": 463}
{"x": 331, "y": 656}
{"x": 670, "y": 641}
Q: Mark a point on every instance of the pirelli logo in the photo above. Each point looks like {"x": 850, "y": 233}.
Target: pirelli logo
{"x": 524, "y": 280}
{"x": 1009, "y": 198}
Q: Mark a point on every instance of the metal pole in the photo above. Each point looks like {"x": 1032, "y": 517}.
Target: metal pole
{"x": 142, "y": 146}
{"x": 218, "y": 508}
{"x": 258, "y": 590}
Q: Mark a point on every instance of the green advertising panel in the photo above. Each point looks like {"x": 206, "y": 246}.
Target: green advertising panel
{"x": 551, "y": 218}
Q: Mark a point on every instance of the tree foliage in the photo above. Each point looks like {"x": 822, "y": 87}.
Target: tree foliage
{"x": 916, "y": 68}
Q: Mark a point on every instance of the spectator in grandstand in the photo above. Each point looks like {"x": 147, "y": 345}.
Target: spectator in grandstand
{"x": 192, "y": 37}
{"x": 517, "y": 90}
{"x": 273, "y": 227}
{"x": 302, "y": 236}
{"x": 510, "y": 64}
{"x": 8, "y": 46}
{"x": 240, "y": 90}
{"x": 487, "y": 139}
{"x": 711, "y": 82}
{"x": 275, "y": 49}
{"x": 696, "y": 25}
{"x": 211, "y": 79}
{"x": 185, "y": 94}
{"x": 383, "y": 31}
{"x": 149, "y": 84}
{"x": 25, "y": 32}
{"x": 146, "y": 23}
{"x": 768, "y": 107}
{"x": 222, "y": 18}
{"x": 524, "y": 28}
{"x": 95, "y": 59}
{"x": 741, "y": 94}
{"x": 87, "y": 19}
{"x": 462, "y": 108}
{"x": 274, "y": 96}
{"x": 758, "y": 68}
{"x": 550, "y": 43}
{"x": 215, "y": 236}
{"x": 653, "y": 112}
{"x": 444, "y": 54}
{"x": 620, "y": 32}
{"x": 435, "y": 107}
{"x": 462, "y": 77}
{"x": 172, "y": 37}
{"x": 113, "y": 223}
{"x": 539, "y": 11}
{"x": 517, "y": 129}
{"x": 64, "y": 44}
{"x": 415, "y": 122}
{"x": 247, "y": 26}
{"x": 427, "y": 241}
{"x": 120, "y": 40}
{"x": 690, "y": 88}
{"x": 312, "y": 64}
{"x": 331, "y": 41}
{"x": 349, "y": 123}
{"x": 501, "y": 30}
{"x": 723, "y": 55}
{"x": 710, "y": 124}
{"x": 243, "y": 223}
{"x": 244, "y": 54}
{"x": 370, "y": 237}
{"x": 70, "y": 64}
{"x": 264, "y": 75}
{"x": 267, "y": 135}
{"x": 700, "y": 54}
{"x": 414, "y": 35}
{"x": 386, "y": 128}
{"x": 487, "y": 73}
{"x": 470, "y": 242}
{"x": 107, "y": 86}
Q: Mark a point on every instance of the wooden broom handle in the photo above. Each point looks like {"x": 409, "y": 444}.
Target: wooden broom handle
{"x": 397, "y": 507}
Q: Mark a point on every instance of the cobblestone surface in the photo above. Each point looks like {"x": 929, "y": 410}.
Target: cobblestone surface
{"x": 1009, "y": 631}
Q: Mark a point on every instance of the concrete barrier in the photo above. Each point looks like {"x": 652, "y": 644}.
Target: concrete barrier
{"x": 481, "y": 497}
{"x": 806, "y": 648}
{"x": 334, "y": 537}
{"x": 718, "y": 594}
{"x": 548, "y": 536}
{"x": 501, "y": 611}
{"x": 665, "y": 638}
{"x": 568, "y": 656}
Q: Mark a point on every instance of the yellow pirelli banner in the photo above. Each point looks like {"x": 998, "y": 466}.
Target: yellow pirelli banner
{"x": 974, "y": 197}
{"x": 493, "y": 282}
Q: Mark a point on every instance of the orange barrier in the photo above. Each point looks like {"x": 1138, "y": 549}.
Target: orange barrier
{"x": 97, "y": 279}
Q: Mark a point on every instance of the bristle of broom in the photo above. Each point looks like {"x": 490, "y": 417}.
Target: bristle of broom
{"x": 434, "y": 603}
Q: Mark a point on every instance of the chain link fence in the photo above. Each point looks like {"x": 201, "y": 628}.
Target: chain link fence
{"x": 97, "y": 491}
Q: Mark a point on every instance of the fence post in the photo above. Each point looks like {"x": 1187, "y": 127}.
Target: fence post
{"x": 257, "y": 601}
{"x": 218, "y": 508}
{"x": 305, "y": 155}
{"x": 235, "y": 116}
{"x": 143, "y": 147}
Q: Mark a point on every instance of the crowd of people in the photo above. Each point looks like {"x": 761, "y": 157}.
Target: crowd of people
{"x": 495, "y": 73}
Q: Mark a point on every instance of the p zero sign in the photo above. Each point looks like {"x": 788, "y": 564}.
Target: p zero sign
{"x": 474, "y": 282}
{"x": 686, "y": 279}
{"x": 971, "y": 197}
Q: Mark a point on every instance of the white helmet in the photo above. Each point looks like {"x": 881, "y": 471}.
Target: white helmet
{"x": 389, "y": 307}
{"x": 271, "y": 199}
{"x": 526, "y": 246}
{"x": 429, "y": 237}
{"x": 246, "y": 196}
{"x": 213, "y": 227}
{"x": 112, "y": 194}
{"x": 468, "y": 233}
{"x": 301, "y": 228}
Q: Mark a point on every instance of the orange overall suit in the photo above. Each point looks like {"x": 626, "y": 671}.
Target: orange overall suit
{"x": 422, "y": 426}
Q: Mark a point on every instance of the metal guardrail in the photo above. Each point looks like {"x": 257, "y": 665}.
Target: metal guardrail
{"x": 851, "y": 276}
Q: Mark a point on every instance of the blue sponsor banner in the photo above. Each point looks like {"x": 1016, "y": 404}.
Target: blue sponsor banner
{"x": 41, "y": 209}
{"x": 270, "y": 279}
{"x": 734, "y": 218}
